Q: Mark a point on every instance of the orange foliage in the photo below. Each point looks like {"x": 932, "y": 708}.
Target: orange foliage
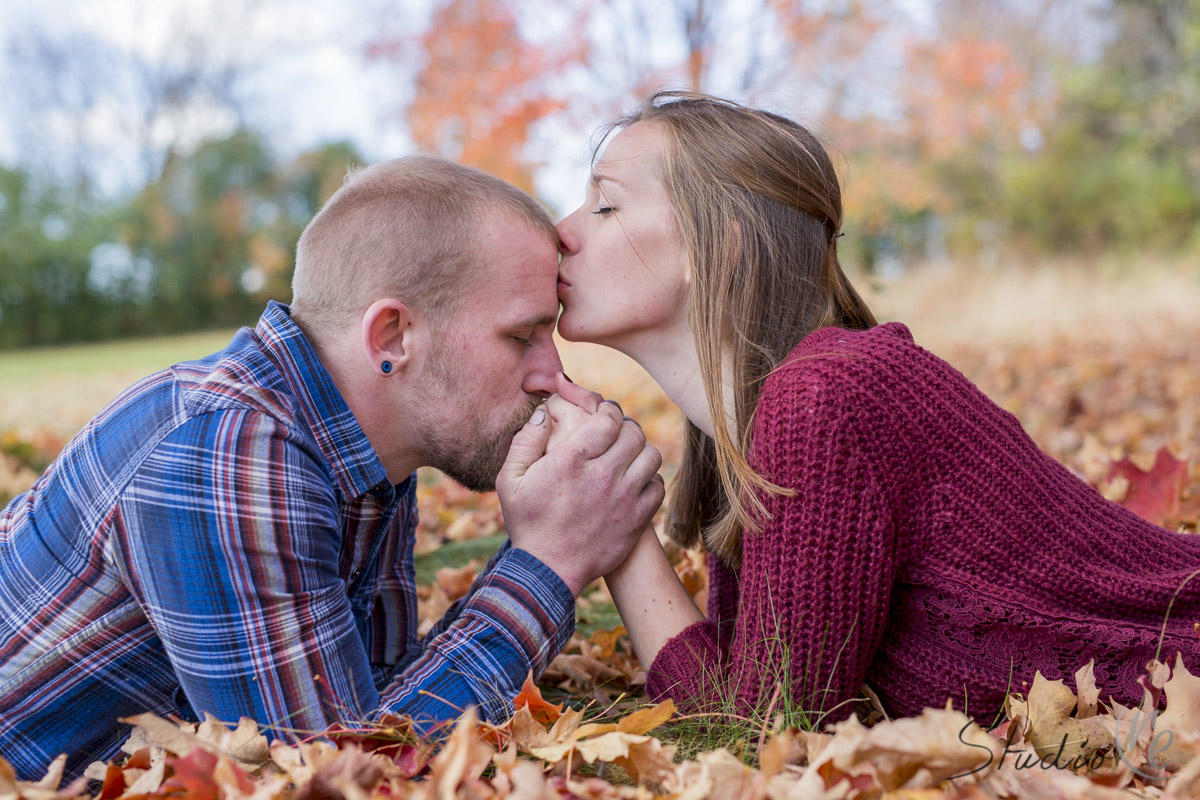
{"x": 482, "y": 87}
{"x": 964, "y": 91}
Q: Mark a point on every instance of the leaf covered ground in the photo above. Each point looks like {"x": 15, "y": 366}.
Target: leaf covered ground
{"x": 1110, "y": 387}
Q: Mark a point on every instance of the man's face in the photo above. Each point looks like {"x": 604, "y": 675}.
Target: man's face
{"x": 496, "y": 359}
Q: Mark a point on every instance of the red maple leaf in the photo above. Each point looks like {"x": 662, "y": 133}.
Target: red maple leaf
{"x": 1157, "y": 495}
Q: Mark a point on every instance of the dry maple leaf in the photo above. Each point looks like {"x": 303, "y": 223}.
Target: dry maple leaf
{"x": 1052, "y": 784}
{"x": 720, "y": 774}
{"x": 911, "y": 753}
{"x": 641, "y": 721}
{"x": 455, "y": 771}
{"x": 1051, "y": 729}
{"x": 1182, "y": 714}
{"x": 520, "y": 778}
{"x": 456, "y": 581}
{"x": 392, "y": 736}
{"x": 45, "y": 789}
{"x": 350, "y": 774}
{"x": 203, "y": 775}
{"x": 244, "y": 745}
{"x": 606, "y": 641}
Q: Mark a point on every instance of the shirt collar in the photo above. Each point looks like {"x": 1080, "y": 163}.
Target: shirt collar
{"x": 355, "y": 463}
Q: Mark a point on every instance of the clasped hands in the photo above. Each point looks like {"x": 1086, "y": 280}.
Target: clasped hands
{"x": 580, "y": 485}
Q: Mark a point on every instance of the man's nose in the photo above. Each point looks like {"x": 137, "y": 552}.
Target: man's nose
{"x": 540, "y": 379}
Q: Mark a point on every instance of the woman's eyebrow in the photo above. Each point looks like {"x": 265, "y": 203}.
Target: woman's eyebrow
{"x": 600, "y": 176}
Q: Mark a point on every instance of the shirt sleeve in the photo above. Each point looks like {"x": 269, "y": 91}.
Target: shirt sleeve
{"x": 231, "y": 546}
{"x": 814, "y": 583}
{"x": 515, "y": 619}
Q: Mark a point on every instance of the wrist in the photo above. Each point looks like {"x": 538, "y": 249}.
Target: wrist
{"x": 569, "y": 576}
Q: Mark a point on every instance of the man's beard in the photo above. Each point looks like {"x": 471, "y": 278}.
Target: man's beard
{"x": 475, "y": 459}
{"x": 466, "y": 450}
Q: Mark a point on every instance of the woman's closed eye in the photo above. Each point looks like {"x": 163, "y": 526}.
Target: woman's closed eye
{"x": 604, "y": 210}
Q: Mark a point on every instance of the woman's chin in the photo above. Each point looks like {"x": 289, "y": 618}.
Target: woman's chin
{"x": 574, "y": 328}
{"x": 570, "y": 329}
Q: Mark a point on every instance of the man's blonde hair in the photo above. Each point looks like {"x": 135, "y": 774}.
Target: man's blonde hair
{"x": 405, "y": 228}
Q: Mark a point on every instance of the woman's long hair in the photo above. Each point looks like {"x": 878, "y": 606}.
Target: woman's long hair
{"x": 760, "y": 211}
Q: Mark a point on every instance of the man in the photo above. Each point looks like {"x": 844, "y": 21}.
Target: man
{"x": 234, "y": 535}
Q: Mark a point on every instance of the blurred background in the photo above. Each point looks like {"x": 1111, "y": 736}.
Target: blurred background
{"x": 1022, "y": 178}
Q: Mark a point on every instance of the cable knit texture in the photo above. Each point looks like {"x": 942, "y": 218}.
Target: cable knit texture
{"x": 931, "y": 551}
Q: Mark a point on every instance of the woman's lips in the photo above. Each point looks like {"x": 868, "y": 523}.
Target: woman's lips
{"x": 562, "y": 285}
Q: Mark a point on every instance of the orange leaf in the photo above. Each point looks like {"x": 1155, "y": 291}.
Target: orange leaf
{"x": 606, "y": 641}
{"x": 531, "y": 697}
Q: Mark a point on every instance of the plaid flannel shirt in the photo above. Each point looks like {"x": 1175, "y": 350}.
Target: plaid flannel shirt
{"x": 222, "y": 538}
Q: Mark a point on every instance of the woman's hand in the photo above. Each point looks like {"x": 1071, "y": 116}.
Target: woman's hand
{"x": 570, "y": 406}
{"x": 565, "y": 417}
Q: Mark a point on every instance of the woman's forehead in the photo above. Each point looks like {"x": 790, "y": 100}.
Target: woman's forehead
{"x": 631, "y": 153}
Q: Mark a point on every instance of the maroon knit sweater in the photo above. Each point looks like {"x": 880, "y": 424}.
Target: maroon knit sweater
{"x": 932, "y": 551}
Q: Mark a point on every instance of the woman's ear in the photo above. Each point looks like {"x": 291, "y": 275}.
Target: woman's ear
{"x": 389, "y": 336}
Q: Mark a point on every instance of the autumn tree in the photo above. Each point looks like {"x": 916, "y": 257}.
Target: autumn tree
{"x": 480, "y": 86}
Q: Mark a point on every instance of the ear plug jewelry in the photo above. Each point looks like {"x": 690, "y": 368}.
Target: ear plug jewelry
{"x": 386, "y": 367}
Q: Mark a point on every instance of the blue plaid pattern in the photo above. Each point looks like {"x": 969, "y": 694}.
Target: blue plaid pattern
{"x": 223, "y": 538}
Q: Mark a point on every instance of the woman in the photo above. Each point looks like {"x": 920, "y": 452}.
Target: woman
{"x": 869, "y": 515}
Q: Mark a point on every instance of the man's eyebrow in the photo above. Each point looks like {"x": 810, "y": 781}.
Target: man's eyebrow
{"x": 534, "y": 322}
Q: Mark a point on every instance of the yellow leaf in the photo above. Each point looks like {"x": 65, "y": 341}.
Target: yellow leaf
{"x": 647, "y": 719}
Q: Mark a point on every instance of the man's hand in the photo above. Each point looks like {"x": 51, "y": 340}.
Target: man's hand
{"x": 581, "y": 507}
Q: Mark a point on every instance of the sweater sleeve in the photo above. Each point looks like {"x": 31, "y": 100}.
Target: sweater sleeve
{"x": 815, "y": 582}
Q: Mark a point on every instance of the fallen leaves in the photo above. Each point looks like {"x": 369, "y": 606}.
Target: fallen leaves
{"x": 1056, "y": 743}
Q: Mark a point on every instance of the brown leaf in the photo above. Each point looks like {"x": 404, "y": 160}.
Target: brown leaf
{"x": 1182, "y": 714}
{"x": 911, "y": 753}
{"x": 457, "y": 581}
{"x": 1053, "y": 731}
{"x": 649, "y": 762}
{"x": 641, "y": 721}
{"x": 1089, "y": 694}
{"x": 606, "y": 641}
{"x": 456, "y": 769}
{"x": 245, "y": 745}
{"x": 718, "y": 774}
{"x": 45, "y": 789}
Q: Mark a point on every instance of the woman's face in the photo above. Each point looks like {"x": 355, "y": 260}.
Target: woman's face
{"x": 624, "y": 269}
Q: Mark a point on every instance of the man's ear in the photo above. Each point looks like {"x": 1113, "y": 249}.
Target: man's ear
{"x": 390, "y": 332}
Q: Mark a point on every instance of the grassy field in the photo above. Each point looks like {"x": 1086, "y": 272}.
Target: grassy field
{"x": 58, "y": 389}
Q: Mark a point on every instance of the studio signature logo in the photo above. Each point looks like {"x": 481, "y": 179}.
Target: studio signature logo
{"x": 1139, "y": 721}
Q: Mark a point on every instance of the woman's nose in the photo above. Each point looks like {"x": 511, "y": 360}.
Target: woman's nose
{"x": 568, "y": 238}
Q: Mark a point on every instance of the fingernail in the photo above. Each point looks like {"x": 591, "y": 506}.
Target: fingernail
{"x": 631, "y": 419}
{"x": 539, "y": 416}
{"x": 615, "y": 403}
{"x": 565, "y": 375}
